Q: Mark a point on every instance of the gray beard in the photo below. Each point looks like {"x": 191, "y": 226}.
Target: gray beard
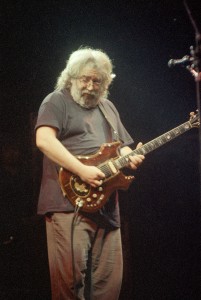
{"x": 87, "y": 100}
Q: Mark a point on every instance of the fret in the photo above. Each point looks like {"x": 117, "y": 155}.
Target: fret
{"x": 152, "y": 144}
{"x": 117, "y": 163}
{"x": 106, "y": 170}
{"x": 123, "y": 160}
{"x": 177, "y": 131}
{"x": 169, "y": 136}
{"x": 147, "y": 148}
{"x": 159, "y": 141}
{"x": 140, "y": 150}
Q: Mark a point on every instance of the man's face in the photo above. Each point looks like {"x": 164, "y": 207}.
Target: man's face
{"x": 88, "y": 88}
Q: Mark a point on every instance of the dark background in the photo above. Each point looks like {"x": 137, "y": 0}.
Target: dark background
{"x": 161, "y": 210}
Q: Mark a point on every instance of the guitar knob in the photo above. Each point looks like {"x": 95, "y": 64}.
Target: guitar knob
{"x": 100, "y": 189}
{"x": 88, "y": 199}
{"x": 100, "y": 198}
{"x": 94, "y": 196}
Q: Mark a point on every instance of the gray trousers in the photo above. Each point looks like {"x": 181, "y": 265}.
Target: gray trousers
{"x": 93, "y": 270}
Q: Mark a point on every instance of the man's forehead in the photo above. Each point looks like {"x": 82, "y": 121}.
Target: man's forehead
{"x": 90, "y": 71}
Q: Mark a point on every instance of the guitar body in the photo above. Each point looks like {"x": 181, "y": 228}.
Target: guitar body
{"x": 88, "y": 198}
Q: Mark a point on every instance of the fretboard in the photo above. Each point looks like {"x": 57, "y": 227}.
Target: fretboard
{"x": 110, "y": 167}
{"x": 154, "y": 144}
{"x": 123, "y": 161}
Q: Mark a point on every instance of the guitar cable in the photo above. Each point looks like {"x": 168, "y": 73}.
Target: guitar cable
{"x": 72, "y": 250}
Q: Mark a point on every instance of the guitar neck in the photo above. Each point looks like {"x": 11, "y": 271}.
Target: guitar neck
{"x": 123, "y": 161}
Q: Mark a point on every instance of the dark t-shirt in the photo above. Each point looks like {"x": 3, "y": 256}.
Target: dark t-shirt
{"x": 82, "y": 131}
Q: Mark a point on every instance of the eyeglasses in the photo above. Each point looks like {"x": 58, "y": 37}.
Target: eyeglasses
{"x": 86, "y": 80}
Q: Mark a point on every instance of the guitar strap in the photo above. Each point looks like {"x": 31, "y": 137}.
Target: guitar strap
{"x": 114, "y": 132}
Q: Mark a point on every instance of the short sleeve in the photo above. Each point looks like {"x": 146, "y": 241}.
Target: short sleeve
{"x": 51, "y": 112}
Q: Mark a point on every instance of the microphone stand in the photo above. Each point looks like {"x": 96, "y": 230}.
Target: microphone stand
{"x": 193, "y": 65}
{"x": 197, "y": 64}
{"x": 196, "y": 56}
{"x": 195, "y": 69}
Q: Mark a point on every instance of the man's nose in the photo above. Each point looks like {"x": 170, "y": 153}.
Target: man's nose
{"x": 90, "y": 85}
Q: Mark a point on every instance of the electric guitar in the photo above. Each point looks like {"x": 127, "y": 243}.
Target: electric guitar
{"x": 107, "y": 159}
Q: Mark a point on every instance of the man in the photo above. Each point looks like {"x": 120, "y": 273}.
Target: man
{"x": 85, "y": 256}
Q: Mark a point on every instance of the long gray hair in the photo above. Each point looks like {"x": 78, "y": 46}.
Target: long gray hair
{"x": 79, "y": 59}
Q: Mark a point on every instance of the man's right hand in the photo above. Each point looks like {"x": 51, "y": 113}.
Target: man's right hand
{"x": 91, "y": 175}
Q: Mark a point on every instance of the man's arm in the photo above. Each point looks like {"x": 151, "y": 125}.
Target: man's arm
{"x": 47, "y": 142}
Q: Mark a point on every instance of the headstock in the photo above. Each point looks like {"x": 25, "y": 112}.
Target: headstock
{"x": 195, "y": 119}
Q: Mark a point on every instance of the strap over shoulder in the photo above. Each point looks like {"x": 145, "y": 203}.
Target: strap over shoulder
{"x": 115, "y": 133}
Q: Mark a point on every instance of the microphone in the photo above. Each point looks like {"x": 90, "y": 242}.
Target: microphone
{"x": 183, "y": 60}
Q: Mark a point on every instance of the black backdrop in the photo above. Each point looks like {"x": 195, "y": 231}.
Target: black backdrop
{"x": 160, "y": 212}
